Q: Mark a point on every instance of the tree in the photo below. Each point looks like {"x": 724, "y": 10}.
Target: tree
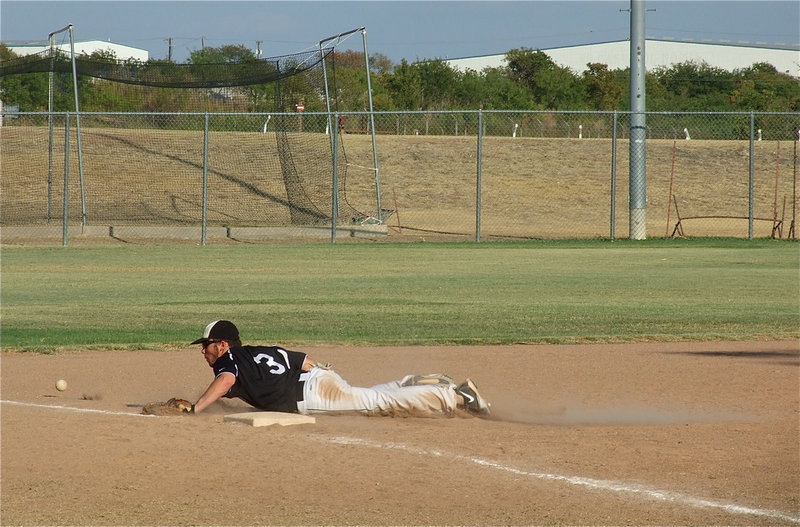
{"x": 379, "y": 63}
{"x": 259, "y": 97}
{"x": 350, "y": 85}
{"x": 694, "y": 87}
{"x": 405, "y": 87}
{"x": 762, "y": 88}
{"x": 351, "y": 81}
{"x": 30, "y": 91}
{"x": 530, "y": 81}
{"x": 603, "y": 91}
{"x": 552, "y": 86}
{"x": 228, "y": 54}
{"x": 492, "y": 89}
{"x": 97, "y": 95}
{"x": 349, "y": 58}
{"x": 438, "y": 82}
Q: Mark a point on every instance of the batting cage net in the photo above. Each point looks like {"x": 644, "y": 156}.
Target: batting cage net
{"x": 167, "y": 74}
{"x": 267, "y": 161}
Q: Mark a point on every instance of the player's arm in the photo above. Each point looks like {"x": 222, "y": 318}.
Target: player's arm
{"x": 221, "y": 384}
{"x": 308, "y": 363}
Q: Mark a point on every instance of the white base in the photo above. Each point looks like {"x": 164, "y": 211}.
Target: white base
{"x": 269, "y": 418}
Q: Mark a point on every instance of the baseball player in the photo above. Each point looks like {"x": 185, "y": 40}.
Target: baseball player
{"x": 275, "y": 379}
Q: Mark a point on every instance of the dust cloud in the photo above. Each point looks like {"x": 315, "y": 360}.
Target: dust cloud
{"x": 576, "y": 413}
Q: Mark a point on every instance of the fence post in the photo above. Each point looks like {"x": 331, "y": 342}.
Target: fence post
{"x": 77, "y": 123}
{"x": 750, "y": 184}
{"x": 65, "y": 228}
{"x": 50, "y": 165}
{"x": 335, "y": 178}
{"x": 204, "y": 226}
{"x": 372, "y": 129}
{"x": 613, "y": 174}
{"x": 478, "y": 179}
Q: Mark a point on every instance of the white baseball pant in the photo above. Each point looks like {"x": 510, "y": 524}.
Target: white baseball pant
{"x": 327, "y": 391}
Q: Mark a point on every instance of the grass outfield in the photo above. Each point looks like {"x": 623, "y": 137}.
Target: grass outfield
{"x": 419, "y": 293}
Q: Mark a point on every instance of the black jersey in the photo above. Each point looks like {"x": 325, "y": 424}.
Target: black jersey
{"x": 267, "y": 377}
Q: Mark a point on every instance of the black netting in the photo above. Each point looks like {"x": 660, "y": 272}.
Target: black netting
{"x": 283, "y": 171}
{"x": 165, "y": 74}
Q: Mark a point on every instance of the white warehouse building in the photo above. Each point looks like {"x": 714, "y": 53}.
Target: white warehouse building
{"x": 658, "y": 53}
{"x": 81, "y": 48}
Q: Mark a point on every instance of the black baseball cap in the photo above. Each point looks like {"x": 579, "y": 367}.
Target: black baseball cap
{"x": 219, "y": 330}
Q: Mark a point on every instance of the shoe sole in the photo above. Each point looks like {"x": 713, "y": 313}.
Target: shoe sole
{"x": 433, "y": 379}
{"x": 483, "y": 406}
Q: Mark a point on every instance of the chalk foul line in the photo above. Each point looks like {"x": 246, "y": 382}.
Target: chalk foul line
{"x": 596, "y": 484}
{"x": 73, "y": 409}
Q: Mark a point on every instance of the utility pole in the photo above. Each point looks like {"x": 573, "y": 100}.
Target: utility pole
{"x": 258, "y": 49}
{"x": 169, "y": 49}
{"x": 638, "y": 126}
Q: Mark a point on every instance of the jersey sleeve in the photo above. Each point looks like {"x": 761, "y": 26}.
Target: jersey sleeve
{"x": 226, "y": 364}
{"x": 296, "y": 358}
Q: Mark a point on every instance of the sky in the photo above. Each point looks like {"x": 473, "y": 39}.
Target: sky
{"x": 412, "y": 30}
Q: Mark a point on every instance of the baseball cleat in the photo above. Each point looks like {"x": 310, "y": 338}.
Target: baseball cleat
{"x": 473, "y": 402}
{"x": 431, "y": 379}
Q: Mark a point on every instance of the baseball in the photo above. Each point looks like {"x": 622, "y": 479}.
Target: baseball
{"x": 61, "y": 385}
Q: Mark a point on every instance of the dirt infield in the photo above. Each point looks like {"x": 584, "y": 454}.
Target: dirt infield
{"x": 642, "y": 434}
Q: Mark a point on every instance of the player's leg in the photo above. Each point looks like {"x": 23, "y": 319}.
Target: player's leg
{"x": 326, "y": 391}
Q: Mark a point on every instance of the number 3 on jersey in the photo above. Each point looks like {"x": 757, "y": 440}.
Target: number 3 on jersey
{"x": 275, "y": 367}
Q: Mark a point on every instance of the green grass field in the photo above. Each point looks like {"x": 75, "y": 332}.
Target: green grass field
{"x": 142, "y": 296}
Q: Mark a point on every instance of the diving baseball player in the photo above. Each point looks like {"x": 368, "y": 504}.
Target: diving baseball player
{"x": 275, "y": 379}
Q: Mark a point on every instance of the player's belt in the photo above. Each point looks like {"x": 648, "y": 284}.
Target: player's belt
{"x": 301, "y": 385}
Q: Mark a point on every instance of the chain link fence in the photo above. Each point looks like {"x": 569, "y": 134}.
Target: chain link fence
{"x": 477, "y": 175}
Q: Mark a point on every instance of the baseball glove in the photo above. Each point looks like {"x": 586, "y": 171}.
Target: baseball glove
{"x": 174, "y": 406}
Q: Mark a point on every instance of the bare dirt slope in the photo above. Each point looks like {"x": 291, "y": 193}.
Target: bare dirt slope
{"x": 643, "y": 434}
{"x": 530, "y": 187}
